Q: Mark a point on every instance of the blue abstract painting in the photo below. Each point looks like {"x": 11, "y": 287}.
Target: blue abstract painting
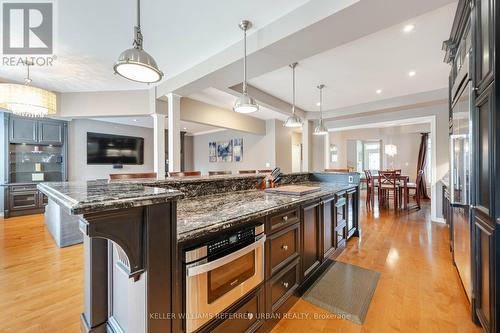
{"x": 225, "y": 151}
{"x": 238, "y": 150}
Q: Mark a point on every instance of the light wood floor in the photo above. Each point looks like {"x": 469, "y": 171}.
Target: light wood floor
{"x": 419, "y": 290}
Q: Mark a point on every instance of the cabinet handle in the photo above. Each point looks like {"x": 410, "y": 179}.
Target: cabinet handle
{"x": 249, "y": 315}
{"x": 285, "y": 218}
{"x": 285, "y": 284}
{"x": 285, "y": 247}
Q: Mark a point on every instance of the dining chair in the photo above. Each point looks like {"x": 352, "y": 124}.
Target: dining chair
{"x": 388, "y": 185}
{"x": 370, "y": 189}
{"x": 414, "y": 186}
{"x": 143, "y": 175}
{"x": 184, "y": 173}
{"x": 246, "y": 171}
{"x": 216, "y": 173}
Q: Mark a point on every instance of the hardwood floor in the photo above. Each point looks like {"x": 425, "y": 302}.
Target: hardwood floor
{"x": 419, "y": 290}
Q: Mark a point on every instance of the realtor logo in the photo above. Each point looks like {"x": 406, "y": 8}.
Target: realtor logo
{"x": 27, "y": 28}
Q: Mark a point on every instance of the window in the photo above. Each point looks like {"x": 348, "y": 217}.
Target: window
{"x": 371, "y": 155}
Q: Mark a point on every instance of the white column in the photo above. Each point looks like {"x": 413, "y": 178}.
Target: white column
{"x": 159, "y": 144}
{"x": 306, "y": 144}
{"x": 174, "y": 132}
{"x": 327, "y": 151}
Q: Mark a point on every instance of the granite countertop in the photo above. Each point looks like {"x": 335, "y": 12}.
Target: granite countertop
{"x": 95, "y": 196}
{"x": 188, "y": 180}
{"x": 211, "y": 213}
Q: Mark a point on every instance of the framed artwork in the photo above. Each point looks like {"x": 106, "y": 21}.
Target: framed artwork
{"x": 225, "y": 151}
{"x": 238, "y": 149}
{"x": 212, "y": 152}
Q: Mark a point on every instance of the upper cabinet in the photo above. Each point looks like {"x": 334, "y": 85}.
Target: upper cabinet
{"x": 483, "y": 13}
{"x": 23, "y": 130}
{"x": 50, "y": 132}
{"x": 36, "y": 131}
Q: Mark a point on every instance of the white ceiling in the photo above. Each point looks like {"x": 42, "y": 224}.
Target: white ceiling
{"x": 189, "y": 127}
{"x": 179, "y": 34}
{"x": 353, "y": 72}
{"x": 225, "y": 100}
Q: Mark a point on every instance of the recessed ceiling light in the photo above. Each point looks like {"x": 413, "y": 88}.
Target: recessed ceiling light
{"x": 134, "y": 119}
{"x": 408, "y": 28}
{"x": 412, "y": 73}
{"x": 184, "y": 128}
{"x": 379, "y": 91}
{"x": 318, "y": 104}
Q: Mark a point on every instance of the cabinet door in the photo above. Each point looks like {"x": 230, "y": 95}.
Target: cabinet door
{"x": 50, "y": 132}
{"x": 484, "y": 49}
{"x": 22, "y": 130}
{"x": 484, "y": 273}
{"x": 43, "y": 200}
{"x": 311, "y": 254}
{"x": 340, "y": 231}
{"x": 23, "y": 200}
{"x": 351, "y": 211}
{"x": 328, "y": 227}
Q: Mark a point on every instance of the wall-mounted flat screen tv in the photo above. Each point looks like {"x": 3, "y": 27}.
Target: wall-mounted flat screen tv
{"x": 114, "y": 149}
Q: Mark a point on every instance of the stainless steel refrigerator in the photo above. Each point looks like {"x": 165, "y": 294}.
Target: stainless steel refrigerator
{"x": 460, "y": 175}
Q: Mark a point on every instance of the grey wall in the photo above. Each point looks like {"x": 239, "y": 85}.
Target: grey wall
{"x": 77, "y": 149}
{"x": 188, "y": 153}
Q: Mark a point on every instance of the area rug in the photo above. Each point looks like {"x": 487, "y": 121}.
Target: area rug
{"x": 345, "y": 290}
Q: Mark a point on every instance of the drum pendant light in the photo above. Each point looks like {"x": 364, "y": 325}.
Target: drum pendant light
{"x": 245, "y": 103}
{"x": 136, "y": 64}
{"x": 321, "y": 128}
{"x": 25, "y": 100}
{"x": 293, "y": 121}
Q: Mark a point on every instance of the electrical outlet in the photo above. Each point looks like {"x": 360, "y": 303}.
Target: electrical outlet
{"x": 351, "y": 179}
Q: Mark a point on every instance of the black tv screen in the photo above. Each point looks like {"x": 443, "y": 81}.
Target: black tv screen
{"x": 114, "y": 149}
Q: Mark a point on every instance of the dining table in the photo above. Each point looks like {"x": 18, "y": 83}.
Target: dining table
{"x": 403, "y": 183}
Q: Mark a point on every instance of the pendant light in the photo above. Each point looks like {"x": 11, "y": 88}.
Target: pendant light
{"x": 245, "y": 103}
{"x": 136, "y": 64}
{"x": 321, "y": 128}
{"x": 26, "y": 100}
{"x": 293, "y": 121}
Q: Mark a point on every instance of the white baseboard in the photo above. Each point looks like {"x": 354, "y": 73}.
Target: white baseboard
{"x": 438, "y": 220}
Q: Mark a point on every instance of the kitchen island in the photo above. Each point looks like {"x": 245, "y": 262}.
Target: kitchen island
{"x": 153, "y": 230}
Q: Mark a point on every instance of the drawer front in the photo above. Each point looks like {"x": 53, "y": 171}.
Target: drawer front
{"x": 284, "y": 247}
{"x": 22, "y": 188}
{"x": 284, "y": 219}
{"x": 284, "y": 284}
{"x": 23, "y": 200}
{"x": 246, "y": 318}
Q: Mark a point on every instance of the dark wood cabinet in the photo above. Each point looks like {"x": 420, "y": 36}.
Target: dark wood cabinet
{"x": 340, "y": 231}
{"x": 282, "y": 285}
{"x": 483, "y": 15}
{"x": 283, "y": 247}
{"x": 328, "y": 210}
{"x": 311, "y": 253}
{"x": 351, "y": 209}
{"x": 23, "y": 199}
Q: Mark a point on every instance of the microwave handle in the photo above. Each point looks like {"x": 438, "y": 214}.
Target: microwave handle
{"x": 204, "y": 268}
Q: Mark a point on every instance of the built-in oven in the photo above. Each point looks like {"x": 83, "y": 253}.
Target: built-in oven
{"x": 221, "y": 271}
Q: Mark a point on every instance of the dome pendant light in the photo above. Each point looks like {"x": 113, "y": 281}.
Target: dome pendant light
{"x": 321, "y": 128}
{"x": 25, "y": 100}
{"x": 245, "y": 103}
{"x": 293, "y": 121}
{"x": 136, "y": 64}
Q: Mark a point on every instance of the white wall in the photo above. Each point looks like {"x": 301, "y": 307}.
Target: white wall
{"x": 275, "y": 148}
{"x": 78, "y": 169}
{"x": 257, "y": 150}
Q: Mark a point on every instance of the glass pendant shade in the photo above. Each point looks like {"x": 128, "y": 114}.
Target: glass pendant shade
{"x": 320, "y": 129}
{"x": 27, "y": 101}
{"x": 391, "y": 150}
{"x": 245, "y": 104}
{"x": 137, "y": 65}
{"x": 293, "y": 121}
